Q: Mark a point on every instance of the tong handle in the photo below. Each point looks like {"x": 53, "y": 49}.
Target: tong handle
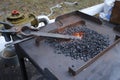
{"x": 6, "y": 24}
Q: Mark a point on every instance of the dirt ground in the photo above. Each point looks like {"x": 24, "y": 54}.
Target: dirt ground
{"x": 13, "y": 72}
{"x": 38, "y": 7}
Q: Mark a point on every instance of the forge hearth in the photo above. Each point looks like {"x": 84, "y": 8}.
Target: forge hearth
{"x": 90, "y": 44}
{"x": 65, "y": 59}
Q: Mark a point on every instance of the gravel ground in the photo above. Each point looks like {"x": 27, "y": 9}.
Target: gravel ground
{"x": 43, "y": 6}
{"x": 13, "y": 72}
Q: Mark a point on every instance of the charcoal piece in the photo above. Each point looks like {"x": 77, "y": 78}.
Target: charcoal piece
{"x": 91, "y": 44}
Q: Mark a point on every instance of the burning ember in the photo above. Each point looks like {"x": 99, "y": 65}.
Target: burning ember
{"x": 79, "y": 34}
{"x": 90, "y": 44}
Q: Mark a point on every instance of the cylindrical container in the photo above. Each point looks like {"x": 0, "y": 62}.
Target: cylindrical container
{"x": 9, "y": 56}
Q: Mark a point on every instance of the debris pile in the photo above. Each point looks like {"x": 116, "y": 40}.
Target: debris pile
{"x": 90, "y": 45}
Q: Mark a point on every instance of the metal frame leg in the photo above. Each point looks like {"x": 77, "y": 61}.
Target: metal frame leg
{"x": 23, "y": 69}
{"x": 21, "y": 62}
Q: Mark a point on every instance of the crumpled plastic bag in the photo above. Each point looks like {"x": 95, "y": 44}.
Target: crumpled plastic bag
{"x": 107, "y": 9}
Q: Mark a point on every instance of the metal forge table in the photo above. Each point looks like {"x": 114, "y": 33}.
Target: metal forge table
{"x": 56, "y": 67}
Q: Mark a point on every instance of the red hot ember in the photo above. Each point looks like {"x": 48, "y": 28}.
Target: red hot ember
{"x": 79, "y": 34}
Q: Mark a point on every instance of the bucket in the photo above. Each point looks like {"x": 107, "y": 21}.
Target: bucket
{"x": 9, "y": 57}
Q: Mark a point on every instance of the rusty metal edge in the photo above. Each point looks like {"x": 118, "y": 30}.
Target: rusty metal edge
{"x": 74, "y": 73}
{"x": 81, "y": 15}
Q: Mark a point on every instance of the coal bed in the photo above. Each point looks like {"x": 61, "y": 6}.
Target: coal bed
{"x": 90, "y": 44}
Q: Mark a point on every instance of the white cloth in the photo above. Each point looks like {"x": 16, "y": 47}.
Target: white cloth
{"x": 2, "y": 43}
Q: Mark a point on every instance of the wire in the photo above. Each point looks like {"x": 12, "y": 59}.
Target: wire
{"x": 59, "y": 6}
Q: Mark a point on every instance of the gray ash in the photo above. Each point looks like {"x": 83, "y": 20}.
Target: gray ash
{"x": 90, "y": 45}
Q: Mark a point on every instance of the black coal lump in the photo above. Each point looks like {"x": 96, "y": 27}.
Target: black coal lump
{"x": 91, "y": 44}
